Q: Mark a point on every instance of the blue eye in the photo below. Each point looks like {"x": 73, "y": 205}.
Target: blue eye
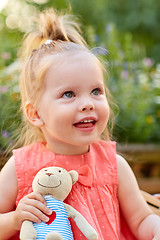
{"x": 96, "y": 91}
{"x": 68, "y": 94}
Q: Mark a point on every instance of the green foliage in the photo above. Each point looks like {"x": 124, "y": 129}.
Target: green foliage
{"x": 141, "y": 18}
{"x": 135, "y": 84}
{"x": 10, "y": 117}
{"x": 9, "y": 43}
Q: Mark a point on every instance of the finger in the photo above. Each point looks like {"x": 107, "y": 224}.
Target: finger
{"x": 36, "y": 196}
{"x": 30, "y": 217}
{"x": 30, "y": 210}
{"x": 38, "y": 199}
{"x": 36, "y": 204}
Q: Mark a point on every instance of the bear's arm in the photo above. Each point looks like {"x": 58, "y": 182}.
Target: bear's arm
{"x": 88, "y": 231}
{"x": 27, "y": 230}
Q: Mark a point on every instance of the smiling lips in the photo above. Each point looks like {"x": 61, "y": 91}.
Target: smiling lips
{"x": 88, "y": 123}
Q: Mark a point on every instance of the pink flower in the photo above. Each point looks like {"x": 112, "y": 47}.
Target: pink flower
{"x": 3, "y": 89}
{"x": 6, "y": 55}
{"x": 148, "y": 62}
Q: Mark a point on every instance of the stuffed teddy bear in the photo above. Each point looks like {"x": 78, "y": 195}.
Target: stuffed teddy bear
{"x": 55, "y": 183}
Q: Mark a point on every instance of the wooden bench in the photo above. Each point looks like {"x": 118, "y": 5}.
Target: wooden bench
{"x": 145, "y": 163}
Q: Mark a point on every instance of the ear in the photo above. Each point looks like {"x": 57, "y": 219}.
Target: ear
{"x": 32, "y": 115}
{"x": 74, "y": 176}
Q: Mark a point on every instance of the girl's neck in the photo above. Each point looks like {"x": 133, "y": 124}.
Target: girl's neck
{"x": 67, "y": 149}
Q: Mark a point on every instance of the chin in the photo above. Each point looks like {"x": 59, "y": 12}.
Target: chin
{"x": 87, "y": 142}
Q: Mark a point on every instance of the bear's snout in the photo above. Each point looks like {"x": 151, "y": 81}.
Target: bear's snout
{"x": 49, "y": 174}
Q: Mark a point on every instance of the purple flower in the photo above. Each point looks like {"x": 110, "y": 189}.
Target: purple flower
{"x": 5, "y": 134}
{"x": 124, "y": 74}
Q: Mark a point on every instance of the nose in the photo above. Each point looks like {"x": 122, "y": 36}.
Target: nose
{"x": 84, "y": 108}
{"x": 49, "y": 174}
{"x": 87, "y": 105}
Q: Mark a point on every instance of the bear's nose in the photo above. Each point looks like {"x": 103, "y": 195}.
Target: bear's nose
{"x": 49, "y": 174}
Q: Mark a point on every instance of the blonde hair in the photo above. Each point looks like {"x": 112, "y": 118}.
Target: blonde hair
{"x": 37, "y": 57}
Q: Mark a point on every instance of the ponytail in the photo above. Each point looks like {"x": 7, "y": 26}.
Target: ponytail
{"x": 50, "y": 25}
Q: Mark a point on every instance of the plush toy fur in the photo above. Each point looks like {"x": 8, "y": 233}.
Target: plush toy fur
{"x": 55, "y": 183}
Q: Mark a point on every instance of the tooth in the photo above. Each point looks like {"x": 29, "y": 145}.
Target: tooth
{"x": 86, "y": 121}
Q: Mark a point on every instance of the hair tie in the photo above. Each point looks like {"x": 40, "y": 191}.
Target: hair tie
{"x": 48, "y": 41}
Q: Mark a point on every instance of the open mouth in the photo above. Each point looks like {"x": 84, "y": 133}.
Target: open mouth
{"x": 88, "y": 123}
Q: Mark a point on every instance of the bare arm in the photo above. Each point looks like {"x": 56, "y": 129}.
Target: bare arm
{"x": 143, "y": 223}
{"x": 8, "y": 193}
{"x": 29, "y": 208}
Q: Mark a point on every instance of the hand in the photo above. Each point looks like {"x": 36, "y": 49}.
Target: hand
{"x": 157, "y": 229}
{"x": 157, "y": 195}
{"x": 33, "y": 208}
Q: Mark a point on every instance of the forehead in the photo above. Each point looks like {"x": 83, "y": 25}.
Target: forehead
{"x": 76, "y": 67}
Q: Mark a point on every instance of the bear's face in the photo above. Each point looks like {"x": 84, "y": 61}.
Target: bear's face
{"x": 54, "y": 181}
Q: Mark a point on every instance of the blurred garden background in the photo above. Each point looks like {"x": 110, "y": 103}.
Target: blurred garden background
{"x": 127, "y": 35}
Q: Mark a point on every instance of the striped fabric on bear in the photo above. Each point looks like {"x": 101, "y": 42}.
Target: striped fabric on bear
{"x": 58, "y": 220}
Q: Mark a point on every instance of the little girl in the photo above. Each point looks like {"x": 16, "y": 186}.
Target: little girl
{"x": 66, "y": 109}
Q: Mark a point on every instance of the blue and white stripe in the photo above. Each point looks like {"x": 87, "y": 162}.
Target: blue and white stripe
{"x": 61, "y": 224}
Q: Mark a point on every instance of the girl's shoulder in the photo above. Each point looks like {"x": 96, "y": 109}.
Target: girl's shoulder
{"x": 9, "y": 168}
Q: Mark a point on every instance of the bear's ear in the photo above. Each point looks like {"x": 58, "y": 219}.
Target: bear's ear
{"x": 74, "y": 176}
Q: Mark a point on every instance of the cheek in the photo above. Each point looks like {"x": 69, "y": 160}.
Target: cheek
{"x": 105, "y": 112}
{"x": 62, "y": 118}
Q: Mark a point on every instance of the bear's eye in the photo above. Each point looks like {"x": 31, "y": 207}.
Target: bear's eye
{"x": 59, "y": 171}
{"x": 45, "y": 170}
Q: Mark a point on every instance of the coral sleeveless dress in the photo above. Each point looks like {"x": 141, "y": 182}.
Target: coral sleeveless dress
{"x": 95, "y": 193}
